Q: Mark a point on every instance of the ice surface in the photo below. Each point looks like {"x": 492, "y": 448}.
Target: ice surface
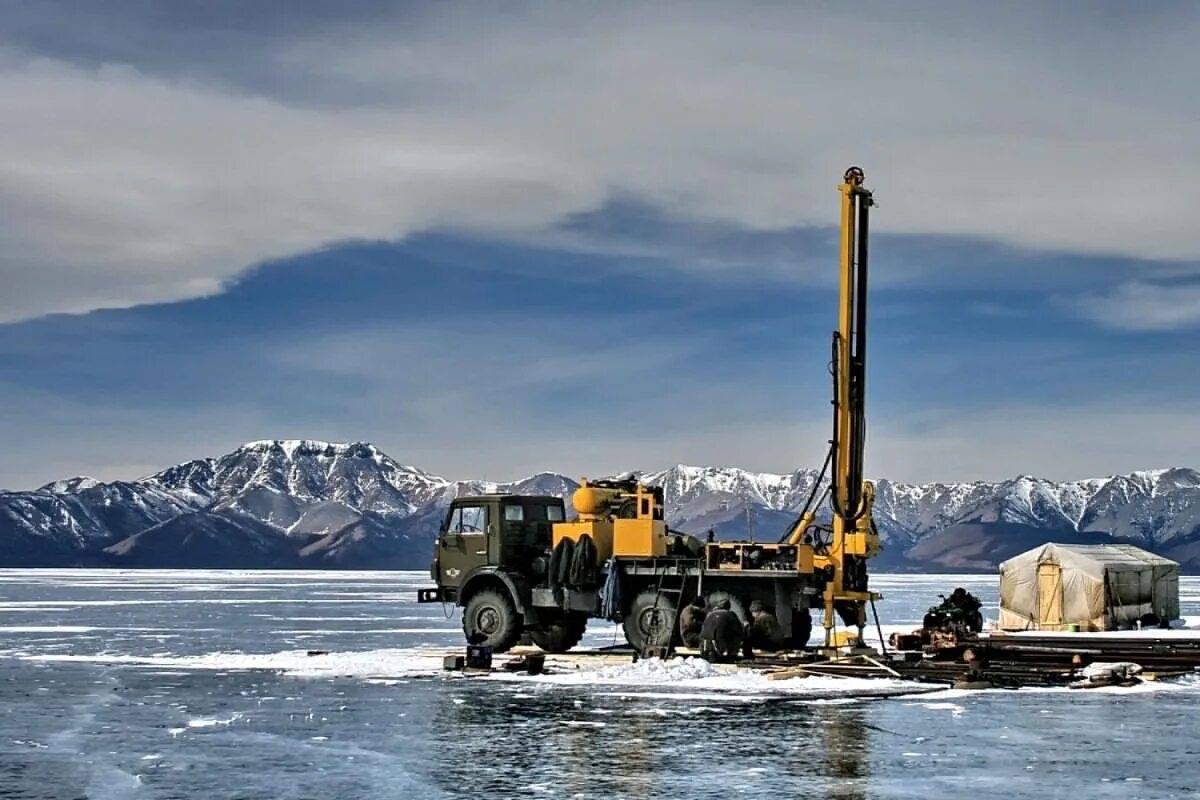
{"x": 210, "y": 698}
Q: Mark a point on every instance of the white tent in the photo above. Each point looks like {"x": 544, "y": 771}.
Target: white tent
{"x": 1097, "y": 587}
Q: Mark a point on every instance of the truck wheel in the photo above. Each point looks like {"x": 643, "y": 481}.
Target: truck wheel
{"x": 562, "y": 634}
{"x": 650, "y": 622}
{"x": 491, "y": 617}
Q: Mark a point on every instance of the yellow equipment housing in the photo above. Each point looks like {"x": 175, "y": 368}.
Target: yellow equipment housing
{"x": 623, "y": 518}
{"x": 753, "y": 556}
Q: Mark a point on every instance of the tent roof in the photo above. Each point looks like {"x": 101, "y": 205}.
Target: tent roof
{"x": 1099, "y": 557}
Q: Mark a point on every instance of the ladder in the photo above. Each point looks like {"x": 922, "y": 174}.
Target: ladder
{"x": 668, "y": 588}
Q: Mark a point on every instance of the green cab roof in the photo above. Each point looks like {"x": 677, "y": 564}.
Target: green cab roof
{"x": 536, "y": 499}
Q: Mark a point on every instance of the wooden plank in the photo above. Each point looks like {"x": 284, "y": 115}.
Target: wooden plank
{"x": 883, "y": 667}
{"x": 802, "y": 672}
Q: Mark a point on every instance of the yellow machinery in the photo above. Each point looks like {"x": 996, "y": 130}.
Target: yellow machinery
{"x": 623, "y": 518}
{"x": 852, "y": 538}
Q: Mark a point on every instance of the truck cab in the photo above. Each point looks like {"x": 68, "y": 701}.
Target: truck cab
{"x": 492, "y": 531}
{"x": 490, "y": 551}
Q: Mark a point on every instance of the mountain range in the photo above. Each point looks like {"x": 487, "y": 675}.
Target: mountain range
{"x": 315, "y": 504}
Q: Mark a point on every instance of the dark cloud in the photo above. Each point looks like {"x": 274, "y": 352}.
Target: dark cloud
{"x": 158, "y": 151}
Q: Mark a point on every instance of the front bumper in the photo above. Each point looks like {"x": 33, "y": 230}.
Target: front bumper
{"x": 438, "y": 594}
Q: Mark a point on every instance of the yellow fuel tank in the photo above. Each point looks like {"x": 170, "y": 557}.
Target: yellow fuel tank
{"x": 591, "y": 501}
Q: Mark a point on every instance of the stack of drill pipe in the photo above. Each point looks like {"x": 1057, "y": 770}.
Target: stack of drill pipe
{"x": 1005, "y": 675}
{"x": 1152, "y": 652}
{"x": 1032, "y": 660}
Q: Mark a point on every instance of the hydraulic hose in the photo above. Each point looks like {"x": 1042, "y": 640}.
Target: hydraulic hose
{"x": 812, "y": 495}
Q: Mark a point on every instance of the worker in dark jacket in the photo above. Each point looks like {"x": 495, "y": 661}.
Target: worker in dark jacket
{"x": 763, "y": 632}
{"x": 721, "y": 634}
{"x": 691, "y": 621}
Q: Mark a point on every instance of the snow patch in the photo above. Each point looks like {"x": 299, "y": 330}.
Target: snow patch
{"x": 954, "y": 708}
{"x": 213, "y": 722}
{"x": 383, "y": 663}
{"x": 47, "y": 629}
{"x": 679, "y": 678}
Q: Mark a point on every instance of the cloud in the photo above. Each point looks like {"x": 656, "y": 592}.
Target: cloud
{"x": 1143, "y": 306}
{"x": 163, "y": 165}
{"x": 119, "y": 189}
{"x": 498, "y": 392}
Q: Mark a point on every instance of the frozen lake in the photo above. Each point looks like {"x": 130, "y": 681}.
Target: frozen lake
{"x": 190, "y": 684}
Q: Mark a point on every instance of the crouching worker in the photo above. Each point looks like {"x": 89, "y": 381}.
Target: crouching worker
{"x": 721, "y": 634}
{"x": 763, "y": 632}
{"x": 691, "y": 622}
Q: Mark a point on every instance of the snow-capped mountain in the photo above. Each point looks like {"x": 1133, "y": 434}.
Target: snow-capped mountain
{"x": 308, "y": 503}
{"x": 958, "y": 525}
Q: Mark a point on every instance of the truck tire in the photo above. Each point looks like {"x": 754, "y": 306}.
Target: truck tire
{"x": 560, "y": 635}
{"x": 490, "y": 614}
{"x": 651, "y": 622}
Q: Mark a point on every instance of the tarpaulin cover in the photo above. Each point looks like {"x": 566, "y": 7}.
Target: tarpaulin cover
{"x": 1097, "y": 587}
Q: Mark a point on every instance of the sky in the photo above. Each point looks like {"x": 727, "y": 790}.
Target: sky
{"x": 495, "y": 239}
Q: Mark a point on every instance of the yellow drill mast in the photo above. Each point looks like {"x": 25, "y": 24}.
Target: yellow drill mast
{"x": 852, "y": 537}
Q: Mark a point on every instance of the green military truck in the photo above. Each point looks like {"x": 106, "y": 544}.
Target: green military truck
{"x": 496, "y": 558}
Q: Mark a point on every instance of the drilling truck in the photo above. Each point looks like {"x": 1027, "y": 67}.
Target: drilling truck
{"x": 519, "y": 567}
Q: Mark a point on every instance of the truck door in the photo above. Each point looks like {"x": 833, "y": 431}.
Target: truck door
{"x": 464, "y": 543}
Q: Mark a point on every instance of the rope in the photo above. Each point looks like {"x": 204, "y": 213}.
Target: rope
{"x": 879, "y": 629}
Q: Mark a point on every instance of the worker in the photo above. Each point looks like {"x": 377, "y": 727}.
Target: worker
{"x": 968, "y": 606}
{"x": 763, "y": 632}
{"x": 691, "y": 621}
{"x": 721, "y": 634}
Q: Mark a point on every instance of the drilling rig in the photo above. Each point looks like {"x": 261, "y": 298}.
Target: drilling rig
{"x": 843, "y": 548}
{"x": 518, "y": 567}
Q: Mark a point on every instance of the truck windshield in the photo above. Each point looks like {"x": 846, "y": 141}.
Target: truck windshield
{"x": 468, "y": 519}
